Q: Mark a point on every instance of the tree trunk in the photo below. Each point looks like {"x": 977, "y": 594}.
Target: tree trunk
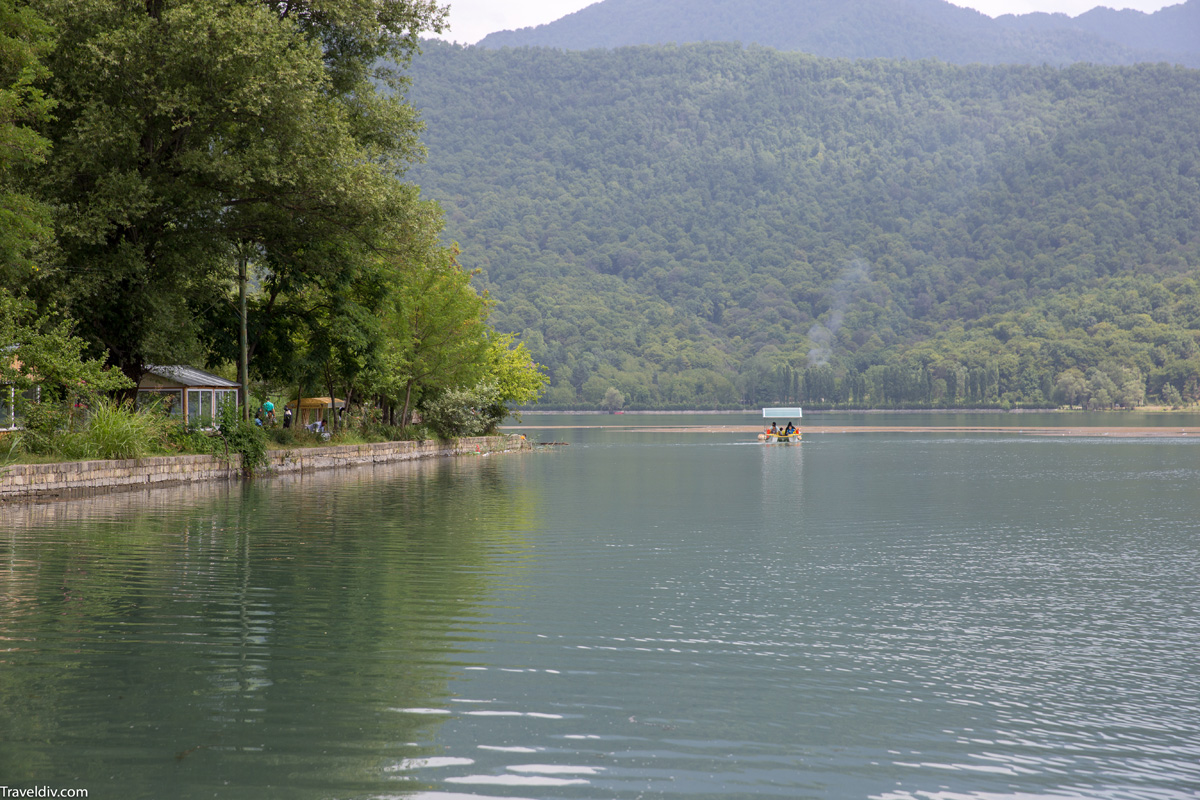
{"x": 404, "y": 410}
{"x": 332, "y": 401}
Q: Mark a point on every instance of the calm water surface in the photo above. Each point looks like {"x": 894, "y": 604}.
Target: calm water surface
{"x": 636, "y": 615}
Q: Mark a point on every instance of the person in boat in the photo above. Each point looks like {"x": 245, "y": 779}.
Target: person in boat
{"x": 790, "y": 429}
{"x": 774, "y": 429}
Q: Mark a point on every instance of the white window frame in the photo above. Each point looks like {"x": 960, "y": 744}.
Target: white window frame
{"x": 196, "y": 405}
{"x": 224, "y": 396}
{"x": 9, "y": 420}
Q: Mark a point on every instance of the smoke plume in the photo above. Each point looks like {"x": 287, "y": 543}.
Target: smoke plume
{"x": 839, "y": 295}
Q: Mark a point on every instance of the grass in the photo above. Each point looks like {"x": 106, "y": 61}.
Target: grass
{"x": 117, "y": 431}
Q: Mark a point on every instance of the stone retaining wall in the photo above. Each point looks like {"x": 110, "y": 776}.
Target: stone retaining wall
{"x": 42, "y": 481}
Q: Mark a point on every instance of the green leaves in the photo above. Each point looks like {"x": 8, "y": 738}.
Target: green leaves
{"x": 24, "y": 221}
{"x": 44, "y": 354}
{"x": 191, "y": 133}
{"x": 190, "y": 128}
{"x": 513, "y": 372}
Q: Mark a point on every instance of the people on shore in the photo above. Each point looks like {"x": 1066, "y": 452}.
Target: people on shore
{"x": 319, "y": 428}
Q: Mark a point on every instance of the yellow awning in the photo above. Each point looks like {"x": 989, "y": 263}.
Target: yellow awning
{"x": 309, "y": 403}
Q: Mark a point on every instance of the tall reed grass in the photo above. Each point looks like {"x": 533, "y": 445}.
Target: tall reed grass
{"x": 117, "y": 430}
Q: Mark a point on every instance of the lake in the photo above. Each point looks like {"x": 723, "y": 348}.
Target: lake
{"x": 639, "y": 614}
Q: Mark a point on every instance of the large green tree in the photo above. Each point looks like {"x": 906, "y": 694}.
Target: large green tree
{"x": 436, "y": 332}
{"x": 192, "y": 131}
{"x": 39, "y": 355}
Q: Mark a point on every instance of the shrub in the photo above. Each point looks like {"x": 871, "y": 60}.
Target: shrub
{"x": 244, "y": 438}
{"x": 294, "y": 437}
{"x": 47, "y": 432}
{"x": 281, "y": 436}
{"x": 192, "y": 439}
{"x": 347, "y": 435}
{"x": 116, "y": 430}
{"x": 418, "y": 432}
{"x": 378, "y": 432}
{"x": 465, "y": 412}
{"x": 110, "y": 430}
{"x": 454, "y": 413}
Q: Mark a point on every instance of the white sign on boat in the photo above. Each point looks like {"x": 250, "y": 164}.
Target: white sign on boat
{"x": 782, "y": 413}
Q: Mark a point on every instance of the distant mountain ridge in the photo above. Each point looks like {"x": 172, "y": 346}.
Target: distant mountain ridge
{"x": 907, "y": 29}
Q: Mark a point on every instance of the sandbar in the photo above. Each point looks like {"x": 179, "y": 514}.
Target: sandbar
{"x": 1163, "y": 432}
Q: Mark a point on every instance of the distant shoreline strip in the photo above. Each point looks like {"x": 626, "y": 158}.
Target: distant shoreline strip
{"x": 1164, "y": 432}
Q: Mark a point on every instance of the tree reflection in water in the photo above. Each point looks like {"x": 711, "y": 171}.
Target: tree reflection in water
{"x": 245, "y": 639}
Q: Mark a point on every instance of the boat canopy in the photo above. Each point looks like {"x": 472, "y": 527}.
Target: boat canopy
{"x": 782, "y": 413}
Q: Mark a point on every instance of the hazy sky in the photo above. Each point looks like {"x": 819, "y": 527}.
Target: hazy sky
{"x": 471, "y": 20}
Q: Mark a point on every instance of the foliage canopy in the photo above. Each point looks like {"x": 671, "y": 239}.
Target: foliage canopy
{"x": 201, "y": 149}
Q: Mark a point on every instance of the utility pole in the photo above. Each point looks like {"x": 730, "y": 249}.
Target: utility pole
{"x": 243, "y": 342}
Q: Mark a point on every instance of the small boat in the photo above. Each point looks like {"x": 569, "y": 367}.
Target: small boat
{"x": 779, "y": 436}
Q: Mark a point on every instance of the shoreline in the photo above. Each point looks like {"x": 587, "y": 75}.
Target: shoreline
{"x": 69, "y": 480}
{"x": 1147, "y": 409}
{"x": 1115, "y": 431}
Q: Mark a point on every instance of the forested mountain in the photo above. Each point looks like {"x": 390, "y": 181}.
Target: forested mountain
{"x": 714, "y": 225}
{"x": 912, "y": 29}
